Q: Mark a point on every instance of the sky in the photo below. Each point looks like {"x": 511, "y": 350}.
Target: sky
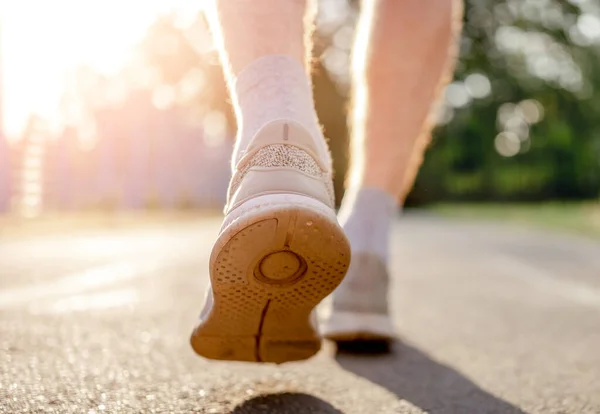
{"x": 42, "y": 39}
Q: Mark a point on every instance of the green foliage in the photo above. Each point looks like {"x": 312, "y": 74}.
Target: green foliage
{"x": 559, "y": 157}
{"x": 534, "y": 136}
{"x": 543, "y": 52}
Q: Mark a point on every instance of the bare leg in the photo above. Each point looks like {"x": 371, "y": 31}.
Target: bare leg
{"x": 245, "y": 30}
{"x": 403, "y": 57}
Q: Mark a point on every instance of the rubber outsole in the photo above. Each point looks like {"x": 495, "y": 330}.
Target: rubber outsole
{"x": 269, "y": 269}
{"x": 344, "y": 326}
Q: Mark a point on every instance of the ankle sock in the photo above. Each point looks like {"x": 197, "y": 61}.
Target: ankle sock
{"x": 270, "y": 88}
{"x": 367, "y": 215}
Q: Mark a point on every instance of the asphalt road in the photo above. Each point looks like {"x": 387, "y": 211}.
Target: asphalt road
{"x": 492, "y": 320}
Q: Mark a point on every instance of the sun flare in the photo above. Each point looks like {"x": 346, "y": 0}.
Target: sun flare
{"x": 42, "y": 41}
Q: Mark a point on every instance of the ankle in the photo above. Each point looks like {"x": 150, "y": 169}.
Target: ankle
{"x": 274, "y": 87}
{"x": 366, "y": 215}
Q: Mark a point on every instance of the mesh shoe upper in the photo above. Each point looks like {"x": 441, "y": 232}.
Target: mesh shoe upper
{"x": 293, "y": 161}
{"x": 365, "y": 288}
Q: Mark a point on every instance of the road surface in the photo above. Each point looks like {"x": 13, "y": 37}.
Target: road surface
{"x": 492, "y": 319}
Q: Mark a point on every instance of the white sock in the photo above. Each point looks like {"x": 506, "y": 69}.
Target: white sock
{"x": 366, "y": 215}
{"x": 270, "y": 88}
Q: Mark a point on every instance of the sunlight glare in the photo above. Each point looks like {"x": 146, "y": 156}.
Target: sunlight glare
{"x": 42, "y": 41}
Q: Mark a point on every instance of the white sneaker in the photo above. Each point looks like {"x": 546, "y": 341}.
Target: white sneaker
{"x": 359, "y": 310}
{"x": 279, "y": 253}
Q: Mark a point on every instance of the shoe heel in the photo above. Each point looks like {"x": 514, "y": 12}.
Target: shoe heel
{"x": 285, "y": 350}
{"x": 269, "y": 269}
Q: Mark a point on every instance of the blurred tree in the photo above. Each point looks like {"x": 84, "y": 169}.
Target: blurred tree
{"x": 535, "y": 135}
{"x": 184, "y": 60}
{"x": 519, "y": 122}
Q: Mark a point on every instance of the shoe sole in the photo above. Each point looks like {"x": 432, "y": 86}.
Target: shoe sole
{"x": 269, "y": 269}
{"x": 345, "y": 326}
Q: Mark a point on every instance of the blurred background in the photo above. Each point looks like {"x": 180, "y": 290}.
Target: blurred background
{"x": 115, "y": 137}
{"x": 107, "y": 106}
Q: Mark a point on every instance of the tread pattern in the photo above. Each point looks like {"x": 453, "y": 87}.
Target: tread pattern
{"x": 255, "y": 320}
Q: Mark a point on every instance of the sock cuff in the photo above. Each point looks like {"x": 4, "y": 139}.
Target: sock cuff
{"x": 272, "y": 70}
{"x": 276, "y": 87}
{"x": 366, "y": 216}
{"x": 357, "y": 197}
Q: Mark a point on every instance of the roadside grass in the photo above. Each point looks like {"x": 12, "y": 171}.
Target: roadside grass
{"x": 579, "y": 218}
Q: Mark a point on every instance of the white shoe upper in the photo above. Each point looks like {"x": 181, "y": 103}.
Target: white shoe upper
{"x": 282, "y": 158}
{"x": 359, "y": 307}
